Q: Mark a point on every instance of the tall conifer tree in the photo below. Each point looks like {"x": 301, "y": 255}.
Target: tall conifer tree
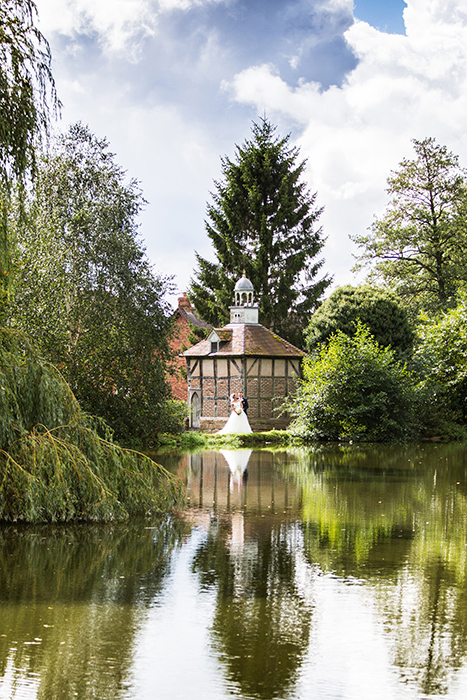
{"x": 262, "y": 220}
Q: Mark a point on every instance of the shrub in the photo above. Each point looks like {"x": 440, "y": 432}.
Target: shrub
{"x": 355, "y": 389}
{"x": 441, "y": 361}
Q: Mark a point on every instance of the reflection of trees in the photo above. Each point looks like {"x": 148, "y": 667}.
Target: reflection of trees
{"x": 262, "y": 621}
{"x": 394, "y": 517}
{"x": 357, "y": 525}
{"x": 397, "y": 518}
{"x": 425, "y": 616}
{"x": 71, "y": 601}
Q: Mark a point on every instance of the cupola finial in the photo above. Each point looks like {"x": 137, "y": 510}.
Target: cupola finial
{"x": 244, "y": 309}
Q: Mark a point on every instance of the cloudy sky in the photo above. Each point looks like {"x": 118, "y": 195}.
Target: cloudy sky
{"x": 175, "y": 84}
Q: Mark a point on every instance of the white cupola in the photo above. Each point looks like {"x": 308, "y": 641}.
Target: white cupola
{"x": 245, "y": 309}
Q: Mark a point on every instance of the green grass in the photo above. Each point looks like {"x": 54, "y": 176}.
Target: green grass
{"x": 192, "y": 440}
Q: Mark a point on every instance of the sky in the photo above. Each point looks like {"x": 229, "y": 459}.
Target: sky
{"x": 174, "y": 85}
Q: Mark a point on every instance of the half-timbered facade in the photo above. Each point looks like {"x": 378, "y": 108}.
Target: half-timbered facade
{"x": 246, "y": 357}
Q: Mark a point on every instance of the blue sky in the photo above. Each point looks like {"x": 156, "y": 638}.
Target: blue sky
{"x": 385, "y": 15}
{"x": 175, "y": 84}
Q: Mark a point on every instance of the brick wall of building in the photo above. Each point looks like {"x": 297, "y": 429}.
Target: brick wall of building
{"x": 180, "y": 341}
{"x": 265, "y": 382}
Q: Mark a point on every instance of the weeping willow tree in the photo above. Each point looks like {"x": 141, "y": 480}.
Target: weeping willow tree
{"x": 27, "y": 88}
{"x": 56, "y": 462}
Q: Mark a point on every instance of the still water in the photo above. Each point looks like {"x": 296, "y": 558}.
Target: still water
{"x": 337, "y": 572}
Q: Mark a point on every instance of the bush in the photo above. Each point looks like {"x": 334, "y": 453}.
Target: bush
{"x": 441, "y": 361}
{"x": 355, "y": 389}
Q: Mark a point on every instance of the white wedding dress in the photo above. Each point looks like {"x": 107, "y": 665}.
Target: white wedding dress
{"x": 238, "y": 421}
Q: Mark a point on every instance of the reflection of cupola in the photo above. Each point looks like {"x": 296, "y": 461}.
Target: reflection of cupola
{"x": 245, "y": 309}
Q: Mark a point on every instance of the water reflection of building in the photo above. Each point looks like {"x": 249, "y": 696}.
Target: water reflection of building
{"x": 376, "y": 544}
{"x": 215, "y": 484}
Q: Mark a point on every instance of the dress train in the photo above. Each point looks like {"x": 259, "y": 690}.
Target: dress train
{"x": 238, "y": 421}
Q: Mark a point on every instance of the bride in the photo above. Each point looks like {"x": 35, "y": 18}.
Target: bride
{"x": 238, "y": 421}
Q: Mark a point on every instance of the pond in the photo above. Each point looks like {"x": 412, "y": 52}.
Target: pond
{"x": 334, "y": 572}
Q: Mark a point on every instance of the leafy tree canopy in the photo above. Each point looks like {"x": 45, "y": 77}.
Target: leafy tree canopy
{"x": 27, "y": 89}
{"x": 355, "y": 389}
{"x": 86, "y": 291}
{"x": 378, "y": 309}
{"x": 262, "y": 220}
{"x": 53, "y": 463}
{"x": 418, "y": 246}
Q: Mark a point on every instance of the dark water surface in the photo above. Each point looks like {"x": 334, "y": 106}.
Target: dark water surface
{"x": 330, "y": 573}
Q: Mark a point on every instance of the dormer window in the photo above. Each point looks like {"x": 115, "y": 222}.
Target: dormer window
{"x": 215, "y": 341}
{"x": 217, "y": 338}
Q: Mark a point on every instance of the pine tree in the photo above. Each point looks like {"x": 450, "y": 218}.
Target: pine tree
{"x": 261, "y": 220}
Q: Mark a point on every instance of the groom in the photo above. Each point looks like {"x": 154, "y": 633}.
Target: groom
{"x": 244, "y": 403}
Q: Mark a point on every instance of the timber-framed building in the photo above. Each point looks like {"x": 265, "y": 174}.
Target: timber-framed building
{"x": 246, "y": 357}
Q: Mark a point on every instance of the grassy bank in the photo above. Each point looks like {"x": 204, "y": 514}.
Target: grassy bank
{"x": 192, "y": 440}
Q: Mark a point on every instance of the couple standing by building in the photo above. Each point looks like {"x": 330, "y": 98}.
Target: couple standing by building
{"x": 243, "y": 354}
{"x": 238, "y": 419}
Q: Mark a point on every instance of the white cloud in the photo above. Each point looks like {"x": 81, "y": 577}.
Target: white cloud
{"x": 116, "y": 22}
{"x": 119, "y": 24}
{"x": 403, "y": 87}
{"x": 168, "y": 122}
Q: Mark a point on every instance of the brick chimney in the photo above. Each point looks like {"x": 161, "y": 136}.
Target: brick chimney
{"x": 184, "y": 303}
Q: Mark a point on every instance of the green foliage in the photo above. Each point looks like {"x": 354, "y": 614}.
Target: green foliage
{"x": 419, "y": 246}
{"x": 378, "y": 309}
{"x": 441, "y": 361}
{"x": 26, "y": 87}
{"x": 86, "y": 291}
{"x": 197, "y": 441}
{"x": 177, "y": 413}
{"x": 355, "y": 390}
{"x": 53, "y": 463}
{"x": 262, "y": 220}
{"x": 54, "y": 466}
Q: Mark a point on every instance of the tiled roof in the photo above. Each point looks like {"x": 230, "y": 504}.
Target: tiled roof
{"x": 192, "y": 318}
{"x": 224, "y": 334}
{"x": 246, "y": 339}
{"x": 187, "y": 313}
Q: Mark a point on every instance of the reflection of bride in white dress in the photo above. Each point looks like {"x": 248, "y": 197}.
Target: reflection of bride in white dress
{"x": 238, "y": 420}
{"x": 238, "y": 463}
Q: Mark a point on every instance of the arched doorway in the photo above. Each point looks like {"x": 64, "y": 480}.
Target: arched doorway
{"x": 195, "y": 410}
